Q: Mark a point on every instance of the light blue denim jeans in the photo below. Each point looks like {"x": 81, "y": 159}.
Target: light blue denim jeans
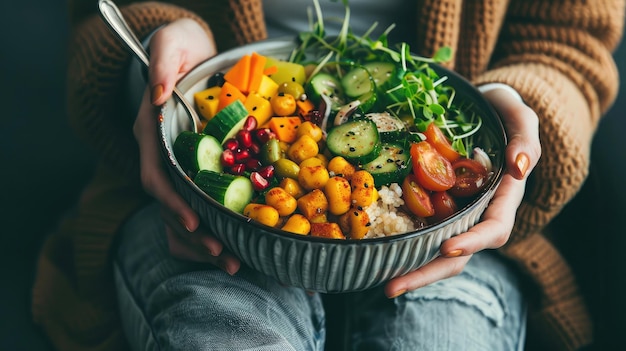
{"x": 169, "y": 304}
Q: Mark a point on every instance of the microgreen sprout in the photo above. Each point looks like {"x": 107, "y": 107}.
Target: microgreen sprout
{"x": 419, "y": 91}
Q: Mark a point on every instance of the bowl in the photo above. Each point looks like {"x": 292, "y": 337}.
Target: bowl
{"x": 314, "y": 263}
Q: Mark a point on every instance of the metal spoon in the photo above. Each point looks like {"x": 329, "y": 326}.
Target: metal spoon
{"x": 114, "y": 19}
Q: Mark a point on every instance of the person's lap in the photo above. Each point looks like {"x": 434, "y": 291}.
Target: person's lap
{"x": 166, "y": 303}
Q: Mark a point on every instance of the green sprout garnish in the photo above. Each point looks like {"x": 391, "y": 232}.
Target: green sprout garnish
{"x": 420, "y": 92}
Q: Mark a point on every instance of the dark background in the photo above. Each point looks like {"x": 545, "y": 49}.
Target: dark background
{"x": 43, "y": 167}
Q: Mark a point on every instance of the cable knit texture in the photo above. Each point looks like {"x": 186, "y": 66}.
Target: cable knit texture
{"x": 556, "y": 54}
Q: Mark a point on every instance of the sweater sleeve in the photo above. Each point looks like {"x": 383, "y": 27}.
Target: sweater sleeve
{"x": 557, "y": 55}
{"x": 96, "y": 82}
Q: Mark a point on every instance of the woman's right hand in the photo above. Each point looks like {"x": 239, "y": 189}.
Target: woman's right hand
{"x": 174, "y": 50}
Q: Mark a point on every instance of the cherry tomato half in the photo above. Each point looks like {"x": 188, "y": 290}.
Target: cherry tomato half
{"x": 435, "y": 136}
{"x": 471, "y": 177}
{"x": 432, "y": 170}
{"x": 444, "y": 205}
{"x": 416, "y": 199}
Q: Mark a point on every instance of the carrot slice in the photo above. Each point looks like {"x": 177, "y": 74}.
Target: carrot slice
{"x": 257, "y": 65}
{"x": 286, "y": 128}
{"x": 239, "y": 74}
{"x": 228, "y": 94}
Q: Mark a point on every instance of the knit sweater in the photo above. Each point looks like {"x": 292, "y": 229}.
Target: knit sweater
{"x": 556, "y": 54}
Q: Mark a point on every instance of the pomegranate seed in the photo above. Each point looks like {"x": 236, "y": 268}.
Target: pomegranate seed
{"x": 258, "y": 182}
{"x": 250, "y": 124}
{"x": 228, "y": 158}
{"x": 264, "y": 134}
{"x": 253, "y": 164}
{"x": 254, "y": 149}
{"x": 238, "y": 169}
{"x": 231, "y": 144}
{"x": 241, "y": 155}
{"x": 244, "y": 138}
{"x": 267, "y": 172}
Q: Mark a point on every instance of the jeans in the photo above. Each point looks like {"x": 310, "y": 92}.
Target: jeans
{"x": 170, "y": 304}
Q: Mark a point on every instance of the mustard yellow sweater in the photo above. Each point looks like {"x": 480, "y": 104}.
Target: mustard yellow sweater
{"x": 555, "y": 53}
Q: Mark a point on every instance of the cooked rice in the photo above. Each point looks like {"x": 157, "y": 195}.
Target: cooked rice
{"x": 385, "y": 217}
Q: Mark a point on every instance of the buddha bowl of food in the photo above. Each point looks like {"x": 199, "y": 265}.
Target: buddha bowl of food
{"x": 333, "y": 164}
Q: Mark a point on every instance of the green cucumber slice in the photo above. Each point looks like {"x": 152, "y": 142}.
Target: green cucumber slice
{"x": 325, "y": 84}
{"x": 197, "y": 151}
{"x": 227, "y": 122}
{"x": 234, "y": 192}
{"x": 381, "y": 72}
{"x": 391, "y": 166}
{"x": 356, "y": 140}
{"x": 357, "y": 82}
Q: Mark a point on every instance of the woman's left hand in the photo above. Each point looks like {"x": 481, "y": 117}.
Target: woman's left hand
{"x": 522, "y": 154}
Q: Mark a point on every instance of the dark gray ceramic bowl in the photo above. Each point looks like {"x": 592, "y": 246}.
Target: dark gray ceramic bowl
{"x": 314, "y": 263}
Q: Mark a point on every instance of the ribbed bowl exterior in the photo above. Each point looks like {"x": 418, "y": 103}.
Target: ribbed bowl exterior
{"x": 316, "y": 264}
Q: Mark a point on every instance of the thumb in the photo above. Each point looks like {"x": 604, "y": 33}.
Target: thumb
{"x": 522, "y": 126}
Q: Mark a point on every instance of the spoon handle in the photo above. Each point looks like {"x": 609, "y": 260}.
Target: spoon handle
{"x": 116, "y": 22}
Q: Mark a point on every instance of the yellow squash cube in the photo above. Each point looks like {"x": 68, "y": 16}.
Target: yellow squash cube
{"x": 259, "y": 107}
{"x": 267, "y": 87}
{"x": 207, "y": 101}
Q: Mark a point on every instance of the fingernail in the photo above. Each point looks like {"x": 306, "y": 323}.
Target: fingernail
{"x": 398, "y": 293}
{"x": 522, "y": 162}
{"x": 157, "y": 91}
{"x": 182, "y": 221}
{"x": 453, "y": 253}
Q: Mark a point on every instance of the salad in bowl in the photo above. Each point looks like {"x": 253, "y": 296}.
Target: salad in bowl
{"x": 333, "y": 163}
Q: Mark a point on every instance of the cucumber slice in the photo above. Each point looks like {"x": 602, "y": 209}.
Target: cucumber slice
{"x": 325, "y": 84}
{"x": 357, "y": 82}
{"x": 391, "y": 166}
{"x": 198, "y": 151}
{"x": 356, "y": 140}
{"x": 382, "y": 72}
{"x": 387, "y": 76}
{"x": 390, "y": 127}
{"x": 234, "y": 192}
{"x": 227, "y": 122}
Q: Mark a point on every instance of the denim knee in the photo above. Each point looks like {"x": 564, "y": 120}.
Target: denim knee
{"x": 480, "y": 309}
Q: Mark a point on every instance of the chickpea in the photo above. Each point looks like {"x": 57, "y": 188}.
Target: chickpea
{"x": 357, "y": 221}
{"x": 281, "y": 200}
{"x": 297, "y": 224}
{"x": 338, "y": 192}
{"x": 313, "y": 177}
{"x": 283, "y": 104}
{"x": 341, "y": 167}
{"x": 303, "y": 148}
{"x": 311, "y": 129}
{"x": 312, "y": 161}
{"x": 292, "y": 187}
{"x": 261, "y": 213}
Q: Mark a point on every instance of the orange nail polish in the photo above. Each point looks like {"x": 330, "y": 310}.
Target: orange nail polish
{"x": 182, "y": 221}
{"x": 522, "y": 162}
{"x": 157, "y": 91}
{"x": 454, "y": 253}
{"x": 398, "y": 293}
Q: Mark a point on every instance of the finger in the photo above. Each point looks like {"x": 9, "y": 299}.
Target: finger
{"x": 199, "y": 237}
{"x": 522, "y": 125}
{"x": 153, "y": 177}
{"x": 183, "y": 249}
{"x": 439, "y": 268}
{"x": 496, "y": 224}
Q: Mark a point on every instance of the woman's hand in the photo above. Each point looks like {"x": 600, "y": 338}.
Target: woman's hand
{"x": 174, "y": 50}
{"x": 522, "y": 154}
